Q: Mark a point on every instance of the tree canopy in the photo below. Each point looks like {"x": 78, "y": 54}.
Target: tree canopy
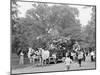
{"x": 89, "y": 34}
{"x": 46, "y": 22}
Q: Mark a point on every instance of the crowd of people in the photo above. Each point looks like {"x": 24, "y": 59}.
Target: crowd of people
{"x": 76, "y": 55}
{"x": 79, "y": 57}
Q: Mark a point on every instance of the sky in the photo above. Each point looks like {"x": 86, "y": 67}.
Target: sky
{"x": 84, "y": 13}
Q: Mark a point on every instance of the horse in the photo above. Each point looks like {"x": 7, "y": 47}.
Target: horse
{"x": 44, "y": 55}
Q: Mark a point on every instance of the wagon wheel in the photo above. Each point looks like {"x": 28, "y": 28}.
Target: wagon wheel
{"x": 47, "y": 61}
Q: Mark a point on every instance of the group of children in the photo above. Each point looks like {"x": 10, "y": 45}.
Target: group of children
{"x": 68, "y": 60}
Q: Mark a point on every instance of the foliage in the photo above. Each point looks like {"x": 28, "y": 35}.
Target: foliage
{"x": 88, "y": 36}
{"x": 61, "y": 19}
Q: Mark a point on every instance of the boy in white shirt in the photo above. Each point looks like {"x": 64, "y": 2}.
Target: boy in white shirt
{"x": 67, "y": 62}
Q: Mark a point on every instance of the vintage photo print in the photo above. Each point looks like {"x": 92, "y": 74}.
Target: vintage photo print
{"x": 52, "y": 37}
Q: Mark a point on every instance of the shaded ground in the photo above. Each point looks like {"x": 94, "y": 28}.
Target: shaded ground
{"x": 29, "y": 68}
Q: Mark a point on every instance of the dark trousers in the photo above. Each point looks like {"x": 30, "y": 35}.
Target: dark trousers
{"x": 79, "y": 61}
{"x": 71, "y": 57}
{"x": 91, "y": 58}
{"x": 84, "y": 58}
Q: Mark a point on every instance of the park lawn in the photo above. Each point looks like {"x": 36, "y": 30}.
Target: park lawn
{"x": 15, "y": 62}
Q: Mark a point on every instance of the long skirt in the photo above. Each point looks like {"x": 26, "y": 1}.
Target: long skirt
{"x": 21, "y": 60}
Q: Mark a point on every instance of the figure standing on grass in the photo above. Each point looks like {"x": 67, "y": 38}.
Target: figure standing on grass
{"x": 84, "y": 56}
{"x": 80, "y": 57}
{"x": 67, "y": 62}
{"x": 92, "y": 56}
{"x": 21, "y": 57}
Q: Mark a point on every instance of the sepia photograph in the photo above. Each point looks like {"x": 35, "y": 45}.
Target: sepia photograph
{"x": 52, "y": 37}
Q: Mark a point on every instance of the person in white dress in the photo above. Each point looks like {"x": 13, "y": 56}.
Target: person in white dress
{"x": 21, "y": 59}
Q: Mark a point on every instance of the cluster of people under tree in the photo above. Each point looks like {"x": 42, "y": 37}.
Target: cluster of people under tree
{"x": 80, "y": 56}
{"x": 76, "y": 54}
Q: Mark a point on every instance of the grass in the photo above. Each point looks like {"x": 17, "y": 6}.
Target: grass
{"x": 15, "y": 62}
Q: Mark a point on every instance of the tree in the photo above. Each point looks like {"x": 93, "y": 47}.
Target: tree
{"x": 91, "y": 28}
{"x": 89, "y": 34}
{"x": 61, "y": 19}
{"x": 14, "y": 14}
{"x": 14, "y": 17}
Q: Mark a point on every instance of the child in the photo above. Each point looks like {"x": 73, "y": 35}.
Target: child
{"x": 68, "y": 62}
